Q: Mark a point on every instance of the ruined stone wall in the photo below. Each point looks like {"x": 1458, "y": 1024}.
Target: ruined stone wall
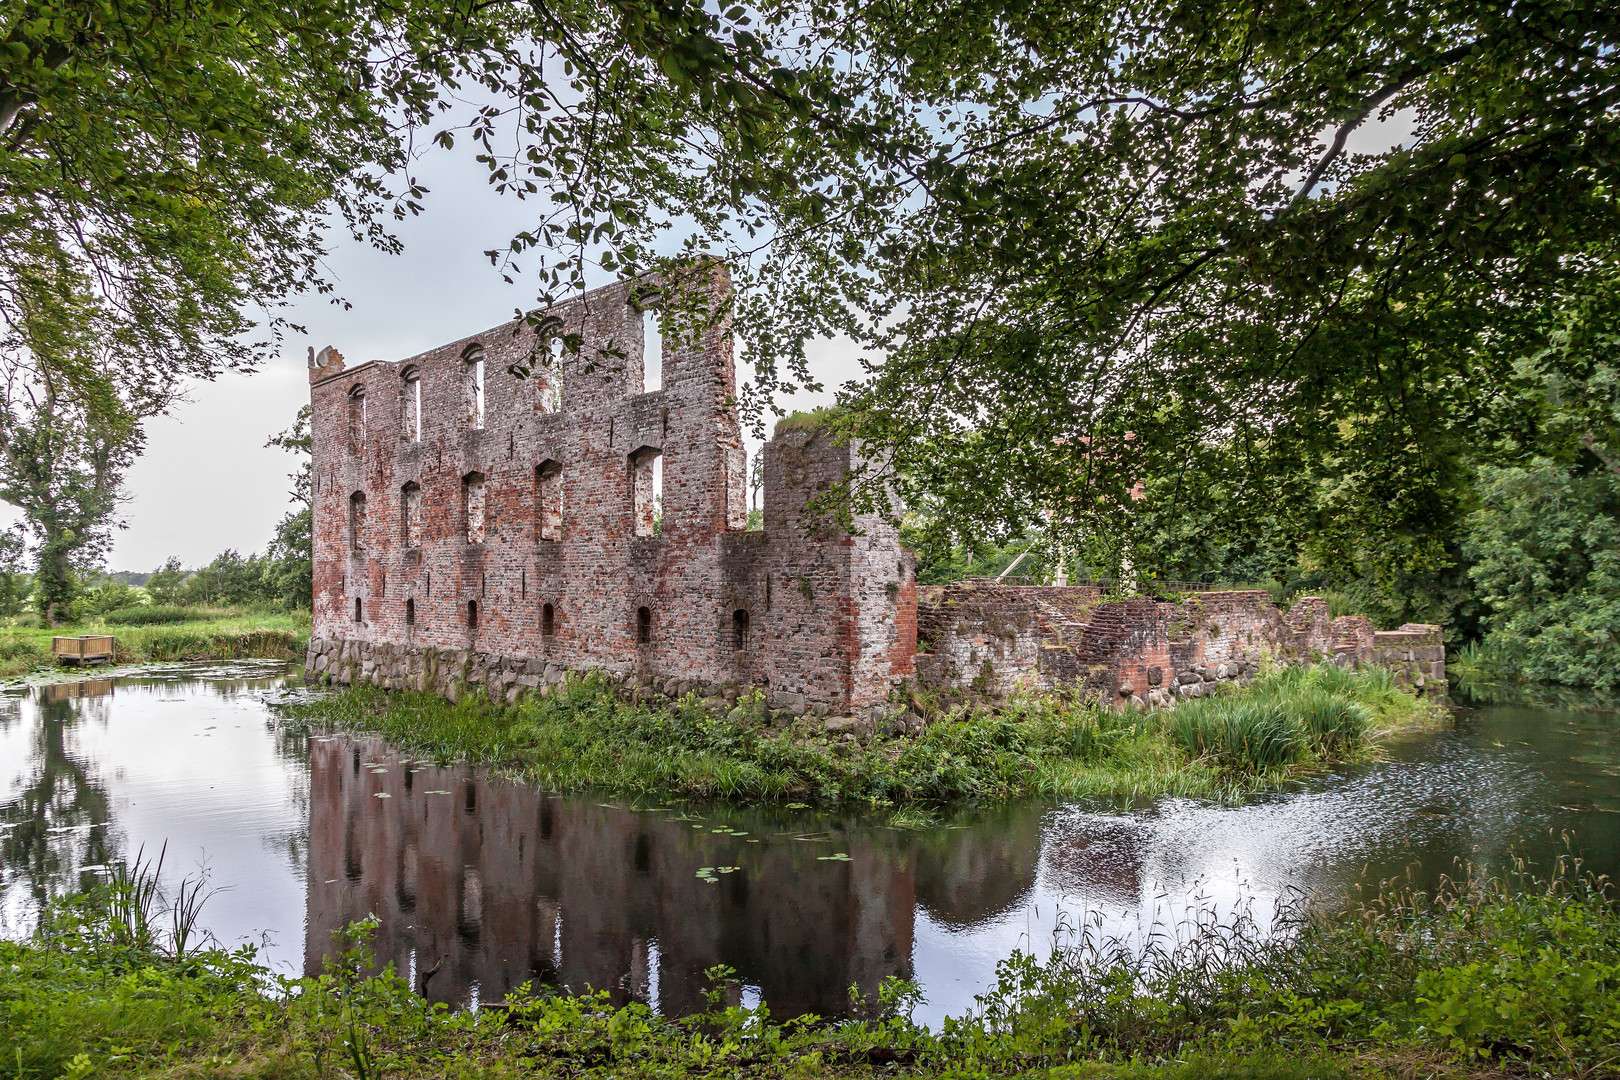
{"x": 996, "y": 639}
{"x": 441, "y": 546}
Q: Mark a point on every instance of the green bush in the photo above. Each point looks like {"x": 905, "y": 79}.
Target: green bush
{"x": 153, "y": 615}
{"x": 1545, "y": 549}
{"x": 108, "y": 596}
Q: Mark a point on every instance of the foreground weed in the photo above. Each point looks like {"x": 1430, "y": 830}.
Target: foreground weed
{"x": 1481, "y": 976}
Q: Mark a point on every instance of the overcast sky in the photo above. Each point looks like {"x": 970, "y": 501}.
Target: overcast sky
{"x": 208, "y": 482}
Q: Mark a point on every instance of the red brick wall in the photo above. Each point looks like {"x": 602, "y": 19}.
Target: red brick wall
{"x": 997, "y": 638}
{"x": 831, "y": 616}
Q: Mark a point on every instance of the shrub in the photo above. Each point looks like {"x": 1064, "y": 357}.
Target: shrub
{"x": 108, "y": 596}
{"x": 152, "y": 615}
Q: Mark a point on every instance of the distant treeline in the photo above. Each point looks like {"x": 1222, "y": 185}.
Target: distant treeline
{"x": 279, "y": 578}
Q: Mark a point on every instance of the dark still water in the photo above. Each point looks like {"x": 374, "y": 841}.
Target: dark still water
{"x": 509, "y": 885}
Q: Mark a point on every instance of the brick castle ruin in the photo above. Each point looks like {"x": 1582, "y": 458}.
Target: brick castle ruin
{"x": 475, "y": 528}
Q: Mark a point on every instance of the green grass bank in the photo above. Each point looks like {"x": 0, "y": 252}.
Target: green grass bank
{"x": 1493, "y": 978}
{"x": 585, "y": 737}
{"x": 165, "y": 633}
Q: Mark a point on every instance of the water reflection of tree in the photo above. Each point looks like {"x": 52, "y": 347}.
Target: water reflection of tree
{"x": 59, "y": 813}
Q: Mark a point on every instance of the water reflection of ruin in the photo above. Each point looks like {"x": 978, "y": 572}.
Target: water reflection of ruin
{"x": 510, "y": 885}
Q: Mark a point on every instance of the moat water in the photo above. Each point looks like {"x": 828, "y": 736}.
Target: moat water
{"x": 497, "y": 884}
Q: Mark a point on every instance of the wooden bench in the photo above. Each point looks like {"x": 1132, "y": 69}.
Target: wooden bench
{"x": 86, "y": 649}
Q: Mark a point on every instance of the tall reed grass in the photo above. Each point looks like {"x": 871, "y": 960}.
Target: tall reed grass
{"x": 129, "y": 910}
{"x": 1293, "y": 716}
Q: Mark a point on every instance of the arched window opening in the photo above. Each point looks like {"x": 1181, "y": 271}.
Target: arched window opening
{"x": 357, "y": 610}
{"x": 548, "y": 497}
{"x": 357, "y": 417}
{"x": 646, "y": 476}
{"x": 472, "y": 506}
{"x": 643, "y": 626}
{"x": 739, "y": 630}
{"x": 474, "y": 380}
{"x": 548, "y": 621}
{"x": 410, "y": 613}
{"x": 411, "y": 511}
{"x": 472, "y": 614}
{"x": 357, "y": 520}
{"x": 410, "y": 404}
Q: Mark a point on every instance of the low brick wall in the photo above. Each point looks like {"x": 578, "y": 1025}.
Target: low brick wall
{"x": 998, "y": 639}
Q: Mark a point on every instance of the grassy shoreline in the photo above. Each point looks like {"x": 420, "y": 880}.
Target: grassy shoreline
{"x": 1488, "y": 978}
{"x": 584, "y": 737}
{"x": 216, "y": 634}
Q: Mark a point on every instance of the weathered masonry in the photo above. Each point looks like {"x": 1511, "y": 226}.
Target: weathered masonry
{"x": 477, "y": 528}
{"x": 1141, "y": 651}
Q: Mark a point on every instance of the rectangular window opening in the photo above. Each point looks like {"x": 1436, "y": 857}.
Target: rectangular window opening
{"x": 645, "y": 510}
{"x": 472, "y": 497}
{"x": 652, "y": 352}
{"x": 475, "y": 392}
{"x": 410, "y": 613}
{"x": 357, "y": 521}
{"x": 413, "y": 515}
{"x": 548, "y": 496}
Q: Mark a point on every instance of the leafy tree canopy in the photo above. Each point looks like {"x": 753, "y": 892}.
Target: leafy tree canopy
{"x": 1135, "y": 239}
